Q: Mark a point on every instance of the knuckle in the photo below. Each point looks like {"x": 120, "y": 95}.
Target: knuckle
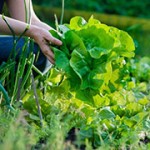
{"x": 53, "y": 40}
{"x": 46, "y": 51}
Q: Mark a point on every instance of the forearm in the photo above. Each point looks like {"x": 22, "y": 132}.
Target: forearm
{"x": 35, "y": 29}
{"x": 41, "y": 24}
{"x": 25, "y": 15}
{"x": 20, "y": 9}
{"x": 18, "y": 27}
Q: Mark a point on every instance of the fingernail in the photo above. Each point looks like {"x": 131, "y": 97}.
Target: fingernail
{"x": 60, "y": 42}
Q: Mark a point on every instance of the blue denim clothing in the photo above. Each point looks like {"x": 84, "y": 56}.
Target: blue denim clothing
{"x": 6, "y": 49}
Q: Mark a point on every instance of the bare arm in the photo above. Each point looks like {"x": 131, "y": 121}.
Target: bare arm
{"x": 26, "y": 13}
{"x": 20, "y": 10}
{"x": 36, "y": 31}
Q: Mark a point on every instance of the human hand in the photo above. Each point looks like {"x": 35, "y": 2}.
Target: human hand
{"x": 43, "y": 38}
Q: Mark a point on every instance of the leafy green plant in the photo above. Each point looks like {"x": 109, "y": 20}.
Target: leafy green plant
{"x": 91, "y": 74}
{"x": 95, "y": 90}
{"x": 91, "y": 56}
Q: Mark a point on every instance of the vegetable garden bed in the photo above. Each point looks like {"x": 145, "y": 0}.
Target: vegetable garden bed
{"x": 97, "y": 92}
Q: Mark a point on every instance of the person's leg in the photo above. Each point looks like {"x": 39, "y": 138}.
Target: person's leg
{"x": 6, "y": 49}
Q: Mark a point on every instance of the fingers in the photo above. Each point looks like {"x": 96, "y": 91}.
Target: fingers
{"x": 44, "y": 39}
{"x": 50, "y": 57}
{"x": 48, "y": 53}
{"x": 54, "y": 41}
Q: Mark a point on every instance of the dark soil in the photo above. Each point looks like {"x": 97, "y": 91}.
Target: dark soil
{"x": 146, "y": 140}
{"x": 72, "y": 137}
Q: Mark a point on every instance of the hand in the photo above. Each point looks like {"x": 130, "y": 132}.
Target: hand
{"x": 43, "y": 38}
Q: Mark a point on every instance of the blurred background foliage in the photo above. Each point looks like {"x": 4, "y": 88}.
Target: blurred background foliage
{"x": 117, "y": 13}
{"x": 137, "y": 8}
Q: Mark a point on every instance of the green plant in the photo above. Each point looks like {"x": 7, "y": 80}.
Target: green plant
{"x": 104, "y": 115}
{"x": 95, "y": 90}
{"x": 90, "y": 56}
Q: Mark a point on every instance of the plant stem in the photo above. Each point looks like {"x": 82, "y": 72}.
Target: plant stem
{"x": 37, "y": 100}
{"x": 19, "y": 89}
{"x": 6, "y": 97}
{"x": 62, "y": 12}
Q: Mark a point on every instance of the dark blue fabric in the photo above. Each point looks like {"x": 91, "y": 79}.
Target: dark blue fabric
{"x": 1, "y": 5}
{"x": 6, "y": 49}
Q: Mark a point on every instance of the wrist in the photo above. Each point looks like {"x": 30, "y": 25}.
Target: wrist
{"x": 32, "y": 31}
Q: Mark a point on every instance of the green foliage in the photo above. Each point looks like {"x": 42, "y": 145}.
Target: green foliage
{"x": 15, "y": 132}
{"x": 95, "y": 87}
{"x": 121, "y": 7}
{"x": 90, "y": 56}
{"x": 141, "y": 69}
